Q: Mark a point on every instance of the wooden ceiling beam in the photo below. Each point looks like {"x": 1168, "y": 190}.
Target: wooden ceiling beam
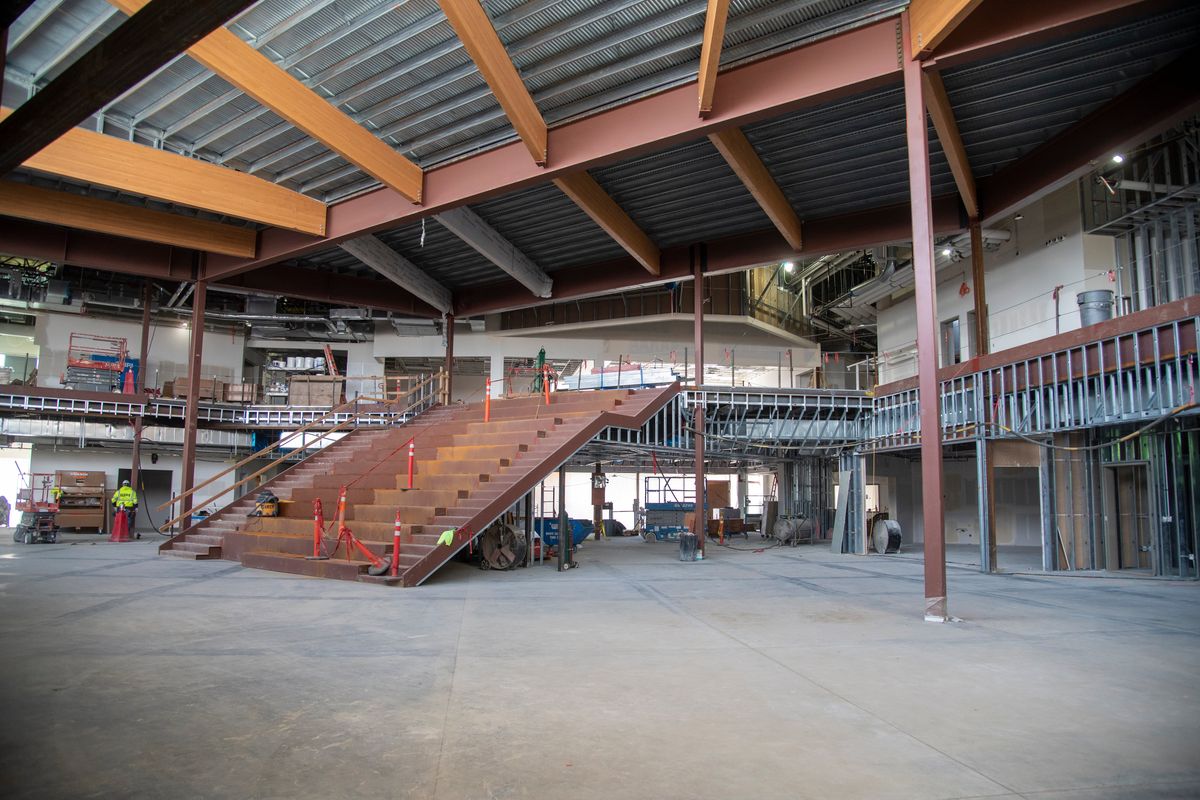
{"x": 260, "y": 78}
{"x": 742, "y": 158}
{"x": 937, "y": 102}
{"x": 475, "y": 30}
{"x": 933, "y": 20}
{"x": 93, "y": 157}
{"x": 120, "y": 219}
{"x": 604, "y": 211}
{"x": 137, "y": 49}
{"x": 710, "y": 52}
{"x": 376, "y": 254}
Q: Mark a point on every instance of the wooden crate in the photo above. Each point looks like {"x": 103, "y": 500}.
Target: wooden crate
{"x": 82, "y": 503}
{"x": 315, "y": 390}
{"x": 210, "y": 388}
{"x": 248, "y": 393}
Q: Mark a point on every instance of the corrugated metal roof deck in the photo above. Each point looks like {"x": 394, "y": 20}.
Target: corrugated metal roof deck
{"x": 847, "y": 155}
{"x": 399, "y": 69}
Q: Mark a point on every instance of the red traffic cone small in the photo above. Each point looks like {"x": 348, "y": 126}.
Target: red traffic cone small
{"x": 120, "y": 527}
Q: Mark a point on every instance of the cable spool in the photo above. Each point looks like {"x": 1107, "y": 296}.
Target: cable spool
{"x": 885, "y": 536}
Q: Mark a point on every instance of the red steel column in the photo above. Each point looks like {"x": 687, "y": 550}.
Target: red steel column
{"x": 140, "y": 386}
{"x": 699, "y": 261}
{"x": 192, "y": 414}
{"x": 982, "y": 344}
{"x": 920, "y": 194}
{"x": 449, "y": 358}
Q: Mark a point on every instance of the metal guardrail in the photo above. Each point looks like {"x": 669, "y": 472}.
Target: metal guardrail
{"x": 1125, "y": 378}
{"x": 752, "y": 422}
{"x": 26, "y": 400}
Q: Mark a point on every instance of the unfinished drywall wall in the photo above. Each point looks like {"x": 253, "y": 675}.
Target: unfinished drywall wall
{"x": 1047, "y": 249}
{"x": 169, "y": 343}
{"x": 1017, "y": 518}
{"x": 49, "y": 458}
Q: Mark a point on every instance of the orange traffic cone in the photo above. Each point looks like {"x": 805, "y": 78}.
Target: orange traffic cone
{"x": 120, "y": 527}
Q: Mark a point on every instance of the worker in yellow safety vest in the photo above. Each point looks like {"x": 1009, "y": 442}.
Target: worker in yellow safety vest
{"x": 126, "y": 498}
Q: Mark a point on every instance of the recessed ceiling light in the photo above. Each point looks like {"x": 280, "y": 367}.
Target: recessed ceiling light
{"x": 946, "y": 252}
{"x": 1118, "y": 158}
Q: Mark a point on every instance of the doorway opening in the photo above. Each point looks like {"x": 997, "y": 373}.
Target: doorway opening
{"x": 1129, "y": 531}
{"x": 154, "y": 489}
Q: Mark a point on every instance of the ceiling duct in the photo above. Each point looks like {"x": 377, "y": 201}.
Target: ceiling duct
{"x": 412, "y": 327}
{"x": 266, "y": 306}
{"x": 350, "y": 313}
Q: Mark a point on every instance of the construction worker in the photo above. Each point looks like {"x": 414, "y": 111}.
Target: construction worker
{"x": 126, "y": 498}
{"x": 55, "y": 493}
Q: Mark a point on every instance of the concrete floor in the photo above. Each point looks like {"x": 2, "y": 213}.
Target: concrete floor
{"x": 790, "y": 673}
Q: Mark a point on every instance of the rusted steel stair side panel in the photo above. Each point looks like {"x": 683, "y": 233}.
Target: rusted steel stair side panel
{"x": 527, "y": 472}
{"x": 210, "y": 532}
{"x": 281, "y": 542}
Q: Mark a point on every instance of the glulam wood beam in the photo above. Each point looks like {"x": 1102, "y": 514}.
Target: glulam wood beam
{"x": 604, "y": 211}
{"x": 120, "y": 219}
{"x": 260, "y": 78}
{"x": 479, "y": 38}
{"x": 710, "y": 52}
{"x": 742, "y": 158}
{"x": 942, "y": 113}
{"x": 934, "y": 20}
{"x": 92, "y": 157}
{"x": 137, "y": 49}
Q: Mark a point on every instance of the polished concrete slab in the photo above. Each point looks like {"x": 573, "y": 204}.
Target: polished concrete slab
{"x": 785, "y": 673}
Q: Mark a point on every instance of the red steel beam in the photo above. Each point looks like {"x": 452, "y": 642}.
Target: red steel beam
{"x": 998, "y": 27}
{"x": 852, "y": 62}
{"x": 140, "y": 387}
{"x": 449, "y": 323}
{"x": 329, "y": 287}
{"x": 1157, "y": 103}
{"x": 96, "y": 250}
{"x": 731, "y": 254}
{"x": 699, "y": 256}
{"x": 924, "y": 274}
{"x": 191, "y": 420}
{"x": 1183, "y": 311}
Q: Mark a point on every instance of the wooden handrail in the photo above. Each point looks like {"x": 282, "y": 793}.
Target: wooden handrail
{"x": 169, "y": 523}
{"x": 337, "y": 410}
{"x": 275, "y": 445}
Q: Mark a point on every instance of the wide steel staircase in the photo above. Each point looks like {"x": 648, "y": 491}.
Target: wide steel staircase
{"x": 467, "y": 473}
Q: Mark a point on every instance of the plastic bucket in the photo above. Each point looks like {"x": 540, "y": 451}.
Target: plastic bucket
{"x": 1095, "y": 306}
